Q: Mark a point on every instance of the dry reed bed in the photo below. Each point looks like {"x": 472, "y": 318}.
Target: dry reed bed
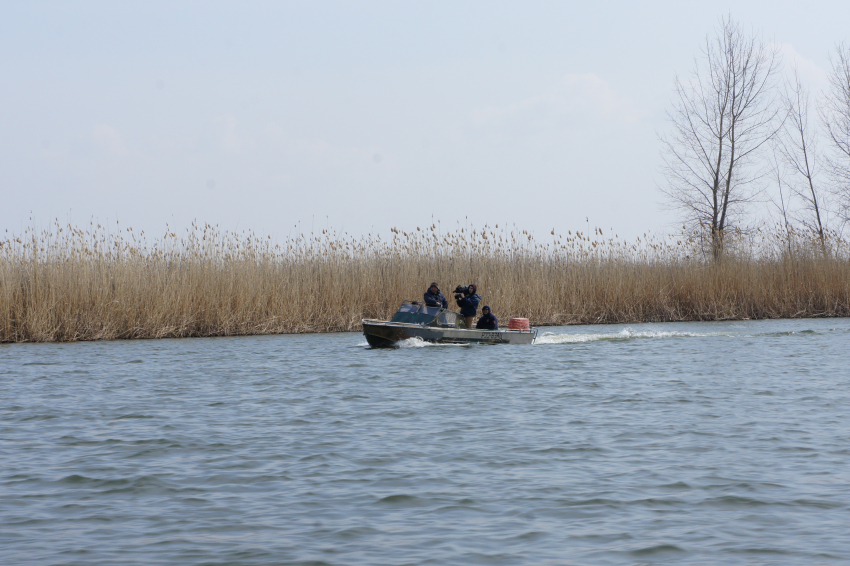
{"x": 69, "y": 283}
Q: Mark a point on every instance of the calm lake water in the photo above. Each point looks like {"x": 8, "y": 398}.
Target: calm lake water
{"x": 690, "y": 443}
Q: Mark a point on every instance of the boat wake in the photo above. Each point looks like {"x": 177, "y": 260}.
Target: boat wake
{"x": 413, "y": 343}
{"x": 625, "y": 334}
{"x": 420, "y": 343}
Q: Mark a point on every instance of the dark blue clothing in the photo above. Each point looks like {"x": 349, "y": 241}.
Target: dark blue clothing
{"x": 435, "y": 299}
{"x": 488, "y": 322}
{"x": 468, "y": 304}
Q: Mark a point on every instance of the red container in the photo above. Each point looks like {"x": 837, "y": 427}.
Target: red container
{"x": 519, "y": 324}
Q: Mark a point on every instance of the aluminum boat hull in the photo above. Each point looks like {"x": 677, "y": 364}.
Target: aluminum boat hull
{"x": 383, "y": 334}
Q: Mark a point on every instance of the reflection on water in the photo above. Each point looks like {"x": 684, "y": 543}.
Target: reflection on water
{"x": 703, "y": 443}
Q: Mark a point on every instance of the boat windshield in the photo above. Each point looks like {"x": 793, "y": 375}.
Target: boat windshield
{"x": 448, "y": 319}
{"x": 415, "y": 313}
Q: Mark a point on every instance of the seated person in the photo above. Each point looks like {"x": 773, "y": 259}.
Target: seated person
{"x": 487, "y": 321}
{"x": 434, "y": 298}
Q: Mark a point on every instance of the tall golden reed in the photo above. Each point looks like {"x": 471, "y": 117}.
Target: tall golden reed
{"x": 68, "y": 283}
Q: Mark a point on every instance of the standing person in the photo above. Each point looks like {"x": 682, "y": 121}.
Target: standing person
{"x": 468, "y": 303}
{"x": 434, "y": 298}
{"x": 488, "y": 320}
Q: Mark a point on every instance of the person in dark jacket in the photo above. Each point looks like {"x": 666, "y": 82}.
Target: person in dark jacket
{"x": 487, "y": 321}
{"x": 434, "y": 298}
{"x": 468, "y": 303}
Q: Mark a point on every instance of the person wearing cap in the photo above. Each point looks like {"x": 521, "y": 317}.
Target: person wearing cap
{"x": 468, "y": 303}
{"x": 488, "y": 321}
{"x": 434, "y": 298}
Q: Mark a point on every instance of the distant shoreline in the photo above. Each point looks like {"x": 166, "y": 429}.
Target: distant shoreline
{"x": 359, "y": 330}
{"x": 72, "y": 284}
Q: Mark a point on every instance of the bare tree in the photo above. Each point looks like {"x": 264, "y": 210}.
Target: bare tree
{"x": 721, "y": 118}
{"x": 797, "y": 143}
{"x": 835, "y": 116}
{"x": 783, "y": 204}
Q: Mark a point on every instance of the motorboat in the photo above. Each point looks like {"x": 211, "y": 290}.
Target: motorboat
{"x": 437, "y": 325}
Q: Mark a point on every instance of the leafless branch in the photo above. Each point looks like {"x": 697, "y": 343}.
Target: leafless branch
{"x": 721, "y": 119}
{"x": 835, "y": 117}
{"x": 797, "y": 143}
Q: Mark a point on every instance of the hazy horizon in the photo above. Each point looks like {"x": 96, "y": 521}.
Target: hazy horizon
{"x": 358, "y": 117}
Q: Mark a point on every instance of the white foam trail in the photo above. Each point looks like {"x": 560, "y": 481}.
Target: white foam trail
{"x": 414, "y": 343}
{"x": 625, "y": 334}
{"x": 420, "y": 343}
{"x": 411, "y": 343}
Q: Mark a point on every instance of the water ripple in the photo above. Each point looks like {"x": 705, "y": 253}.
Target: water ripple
{"x": 703, "y": 443}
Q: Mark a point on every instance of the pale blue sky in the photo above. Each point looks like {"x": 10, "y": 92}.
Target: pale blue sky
{"x": 358, "y": 114}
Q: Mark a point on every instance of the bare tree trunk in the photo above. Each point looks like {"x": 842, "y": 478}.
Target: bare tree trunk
{"x": 798, "y": 145}
{"x": 783, "y": 205}
{"x": 835, "y": 117}
{"x": 721, "y": 118}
